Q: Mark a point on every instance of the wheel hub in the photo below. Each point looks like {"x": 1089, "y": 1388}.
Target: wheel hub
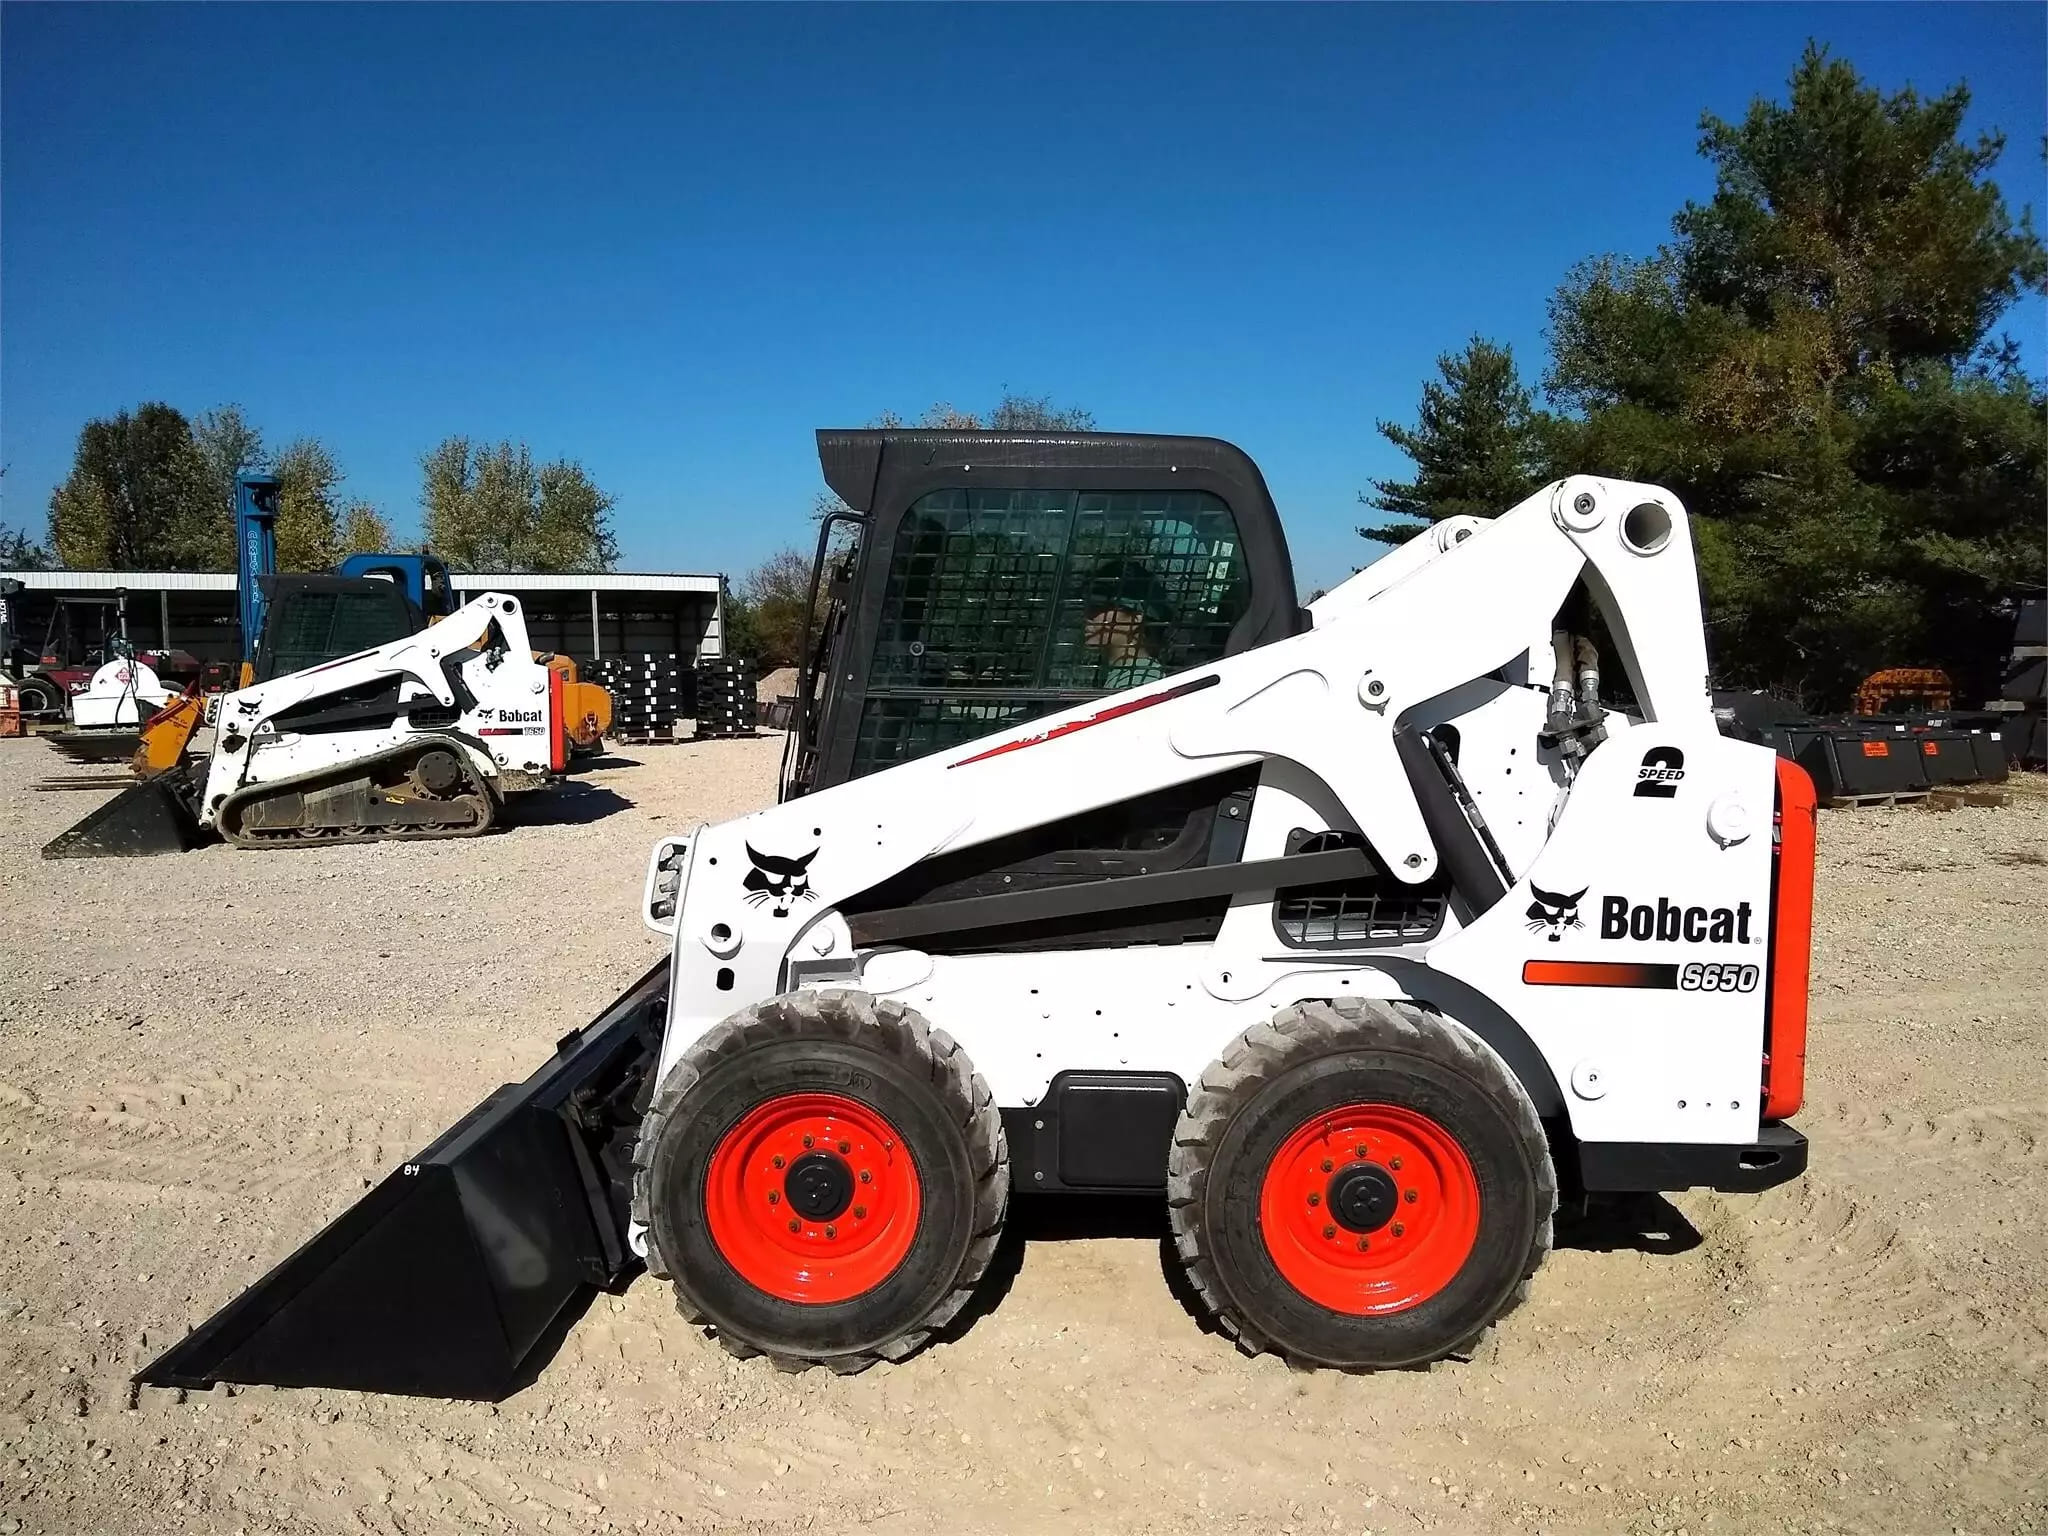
{"x": 813, "y": 1197}
{"x": 1363, "y": 1197}
{"x": 1369, "y": 1208}
{"x": 819, "y": 1186}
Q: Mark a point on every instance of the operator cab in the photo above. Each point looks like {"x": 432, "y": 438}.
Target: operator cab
{"x": 314, "y": 619}
{"x": 977, "y": 580}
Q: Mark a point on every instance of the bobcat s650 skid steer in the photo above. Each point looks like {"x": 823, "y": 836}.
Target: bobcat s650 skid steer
{"x": 1356, "y": 934}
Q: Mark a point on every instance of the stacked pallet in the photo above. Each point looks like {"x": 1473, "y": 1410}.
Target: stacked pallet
{"x": 651, "y": 691}
{"x": 726, "y": 703}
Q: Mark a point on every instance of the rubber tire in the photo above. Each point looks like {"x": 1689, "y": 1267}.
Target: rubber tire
{"x": 1318, "y": 1055}
{"x": 882, "y": 1054}
{"x": 48, "y": 699}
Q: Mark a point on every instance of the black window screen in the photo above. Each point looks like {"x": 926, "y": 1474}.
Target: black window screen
{"x": 307, "y": 628}
{"x": 1000, "y": 606}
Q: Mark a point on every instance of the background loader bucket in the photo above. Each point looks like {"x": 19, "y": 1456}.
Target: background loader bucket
{"x": 145, "y": 818}
{"x": 442, "y": 1280}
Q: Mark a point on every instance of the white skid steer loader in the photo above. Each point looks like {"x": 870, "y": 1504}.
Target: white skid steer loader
{"x": 420, "y": 737}
{"x": 1359, "y": 944}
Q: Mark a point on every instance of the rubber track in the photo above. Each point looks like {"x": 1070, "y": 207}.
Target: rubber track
{"x": 889, "y": 1029}
{"x": 1305, "y": 1032}
{"x": 332, "y": 837}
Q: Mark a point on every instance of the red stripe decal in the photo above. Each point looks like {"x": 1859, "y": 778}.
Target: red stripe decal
{"x": 1100, "y": 717}
{"x": 1598, "y": 973}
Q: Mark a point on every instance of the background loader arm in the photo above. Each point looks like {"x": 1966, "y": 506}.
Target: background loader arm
{"x": 419, "y": 657}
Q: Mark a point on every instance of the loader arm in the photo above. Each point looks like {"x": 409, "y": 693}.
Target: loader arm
{"x": 1330, "y": 700}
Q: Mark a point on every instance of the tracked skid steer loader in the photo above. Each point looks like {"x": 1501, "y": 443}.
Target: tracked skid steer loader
{"x": 423, "y": 735}
{"x": 1358, "y": 934}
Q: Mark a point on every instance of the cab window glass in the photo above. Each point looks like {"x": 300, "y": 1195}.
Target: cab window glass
{"x": 1003, "y": 605}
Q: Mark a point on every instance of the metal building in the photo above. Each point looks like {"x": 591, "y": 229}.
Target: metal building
{"x": 584, "y": 614}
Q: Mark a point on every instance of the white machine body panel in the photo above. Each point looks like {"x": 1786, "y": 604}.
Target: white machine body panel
{"x": 1437, "y": 634}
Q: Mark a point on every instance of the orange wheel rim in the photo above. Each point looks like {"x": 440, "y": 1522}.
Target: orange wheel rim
{"x": 812, "y": 1197}
{"x": 1369, "y": 1209}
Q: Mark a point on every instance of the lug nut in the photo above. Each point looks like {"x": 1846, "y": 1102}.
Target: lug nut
{"x": 1363, "y": 1244}
{"x": 866, "y": 1177}
{"x": 795, "y": 1225}
{"x": 1315, "y": 1199}
{"x": 1327, "y": 1165}
{"x": 831, "y": 1231}
{"x": 778, "y": 1159}
{"x": 807, "y": 1141}
{"x": 774, "y": 1198}
{"x": 1359, "y": 1149}
{"x": 845, "y": 1147}
{"x": 1408, "y": 1195}
{"x": 1395, "y": 1164}
{"x": 1400, "y": 1230}
{"x": 1329, "y": 1231}
{"x": 860, "y": 1213}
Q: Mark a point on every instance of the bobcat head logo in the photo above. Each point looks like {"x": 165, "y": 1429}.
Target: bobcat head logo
{"x": 1550, "y": 914}
{"x": 784, "y": 882}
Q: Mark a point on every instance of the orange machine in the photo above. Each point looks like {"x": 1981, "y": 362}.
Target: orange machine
{"x": 1925, "y": 688}
{"x": 586, "y": 708}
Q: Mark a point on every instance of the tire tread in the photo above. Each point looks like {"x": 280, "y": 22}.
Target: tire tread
{"x": 889, "y": 1029}
{"x": 1300, "y": 1033}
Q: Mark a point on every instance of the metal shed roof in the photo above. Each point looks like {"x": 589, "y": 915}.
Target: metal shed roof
{"x": 581, "y": 581}
{"x": 465, "y": 581}
{"x": 133, "y": 581}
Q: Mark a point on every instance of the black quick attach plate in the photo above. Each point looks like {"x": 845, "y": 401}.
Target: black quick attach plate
{"x": 441, "y": 1280}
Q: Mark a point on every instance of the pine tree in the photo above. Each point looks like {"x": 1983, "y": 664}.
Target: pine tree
{"x": 1476, "y": 443}
{"x": 1811, "y": 365}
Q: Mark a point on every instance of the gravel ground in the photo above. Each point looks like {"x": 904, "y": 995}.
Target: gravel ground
{"x": 204, "y": 1057}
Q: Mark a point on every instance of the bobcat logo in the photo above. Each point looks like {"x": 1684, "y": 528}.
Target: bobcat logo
{"x": 1550, "y": 914}
{"x": 783, "y": 882}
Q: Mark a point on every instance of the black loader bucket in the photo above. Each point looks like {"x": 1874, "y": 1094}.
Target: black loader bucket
{"x": 442, "y": 1280}
{"x": 150, "y": 816}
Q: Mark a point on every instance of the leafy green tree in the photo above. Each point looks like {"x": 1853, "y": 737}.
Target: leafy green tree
{"x": 308, "y": 520}
{"x": 140, "y": 497}
{"x": 1477, "y": 444}
{"x": 1012, "y": 413}
{"x": 364, "y": 531}
{"x": 490, "y": 507}
{"x": 572, "y": 522}
{"x": 19, "y": 552}
{"x": 1811, "y": 364}
{"x": 230, "y": 444}
{"x": 1037, "y": 413}
{"x": 764, "y": 615}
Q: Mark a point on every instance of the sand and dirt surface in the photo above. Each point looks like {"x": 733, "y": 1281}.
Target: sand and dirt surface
{"x": 205, "y": 1057}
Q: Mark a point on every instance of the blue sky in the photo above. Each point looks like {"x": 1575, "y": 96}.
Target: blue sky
{"x": 670, "y": 241}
